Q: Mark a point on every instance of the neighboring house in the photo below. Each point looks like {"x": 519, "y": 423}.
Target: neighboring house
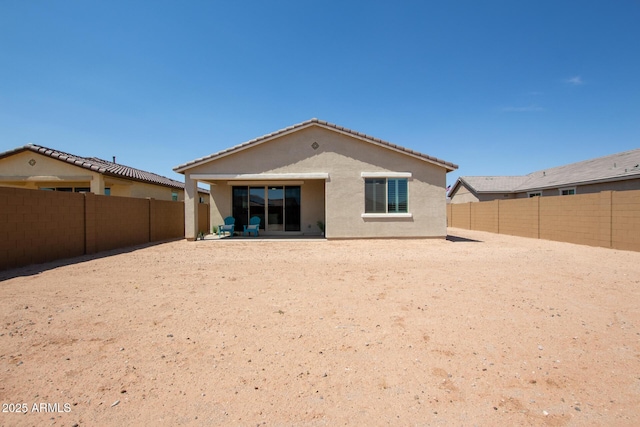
{"x": 615, "y": 172}
{"x": 315, "y": 172}
{"x": 41, "y": 168}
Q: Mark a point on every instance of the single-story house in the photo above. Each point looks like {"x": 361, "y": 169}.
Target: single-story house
{"x": 616, "y": 172}
{"x": 41, "y": 168}
{"x": 316, "y": 176}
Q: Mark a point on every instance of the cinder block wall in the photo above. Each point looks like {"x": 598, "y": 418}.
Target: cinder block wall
{"x": 39, "y": 226}
{"x": 167, "y": 219}
{"x": 519, "y": 217}
{"x": 610, "y": 219}
{"x": 578, "y": 219}
{"x": 625, "y": 220}
{"x": 460, "y": 214}
{"x": 484, "y": 216}
{"x": 42, "y": 226}
{"x": 121, "y": 222}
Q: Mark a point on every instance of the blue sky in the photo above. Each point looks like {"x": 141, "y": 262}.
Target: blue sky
{"x": 497, "y": 87}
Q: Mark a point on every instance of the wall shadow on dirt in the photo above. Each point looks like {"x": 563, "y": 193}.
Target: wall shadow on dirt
{"x": 34, "y": 269}
{"x": 458, "y": 239}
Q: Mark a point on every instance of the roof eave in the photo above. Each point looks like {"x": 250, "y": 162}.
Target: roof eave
{"x": 177, "y": 184}
{"x": 576, "y": 183}
{"x": 460, "y": 181}
{"x": 455, "y": 187}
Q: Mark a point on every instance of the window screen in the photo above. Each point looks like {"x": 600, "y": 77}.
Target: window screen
{"x": 384, "y": 195}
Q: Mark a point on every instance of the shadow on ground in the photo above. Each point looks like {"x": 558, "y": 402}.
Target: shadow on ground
{"x": 34, "y": 269}
{"x": 265, "y": 237}
{"x": 458, "y": 239}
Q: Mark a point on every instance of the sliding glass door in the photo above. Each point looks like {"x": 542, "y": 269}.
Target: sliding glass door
{"x": 292, "y": 208}
{"x": 278, "y": 207}
{"x": 240, "y": 205}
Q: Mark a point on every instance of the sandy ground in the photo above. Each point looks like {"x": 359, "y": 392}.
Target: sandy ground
{"x": 494, "y": 330}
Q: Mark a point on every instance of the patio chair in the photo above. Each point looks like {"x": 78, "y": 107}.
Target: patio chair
{"x": 253, "y": 227}
{"x": 229, "y": 225}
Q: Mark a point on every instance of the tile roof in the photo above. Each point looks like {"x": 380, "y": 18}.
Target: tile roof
{"x": 615, "y": 167}
{"x": 99, "y": 165}
{"x": 494, "y": 184}
{"x": 315, "y": 122}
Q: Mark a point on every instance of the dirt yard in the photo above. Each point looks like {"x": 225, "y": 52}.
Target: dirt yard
{"x": 481, "y": 330}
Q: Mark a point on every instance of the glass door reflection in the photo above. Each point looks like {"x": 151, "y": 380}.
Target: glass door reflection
{"x": 275, "y": 213}
{"x": 257, "y": 204}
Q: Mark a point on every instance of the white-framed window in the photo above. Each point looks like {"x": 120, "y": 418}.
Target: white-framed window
{"x": 567, "y": 191}
{"x": 534, "y": 194}
{"x": 386, "y": 194}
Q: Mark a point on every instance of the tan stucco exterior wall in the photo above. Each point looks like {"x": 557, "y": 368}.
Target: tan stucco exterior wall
{"x": 16, "y": 171}
{"x": 463, "y": 195}
{"x": 312, "y": 201}
{"x": 344, "y": 158}
{"x": 143, "y": 190}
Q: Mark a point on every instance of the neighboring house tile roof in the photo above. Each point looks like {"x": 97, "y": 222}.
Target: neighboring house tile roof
{"x": 315, "y": 122}
{"x": 615, "y": 167}
{"x": 98, "y": 165}
{"x": 494, "y": 184}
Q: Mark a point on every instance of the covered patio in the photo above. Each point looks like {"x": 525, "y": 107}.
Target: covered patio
{"x": 288, "y": 205}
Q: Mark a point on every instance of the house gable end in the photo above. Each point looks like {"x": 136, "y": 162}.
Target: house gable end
{"x": 314, "y": 149}
{"x": 26, "y": 163}
{"x": 313, "y": 123}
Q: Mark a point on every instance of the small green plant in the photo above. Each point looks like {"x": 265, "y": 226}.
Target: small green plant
{"x": 320, "y": 225}
{"x": 201, "y": 235}
{"x": 214, "y": 230}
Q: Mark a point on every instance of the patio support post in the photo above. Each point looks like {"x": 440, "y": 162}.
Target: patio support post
{"x": 97, "y": 184}
{"x": 190, "y": 208}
